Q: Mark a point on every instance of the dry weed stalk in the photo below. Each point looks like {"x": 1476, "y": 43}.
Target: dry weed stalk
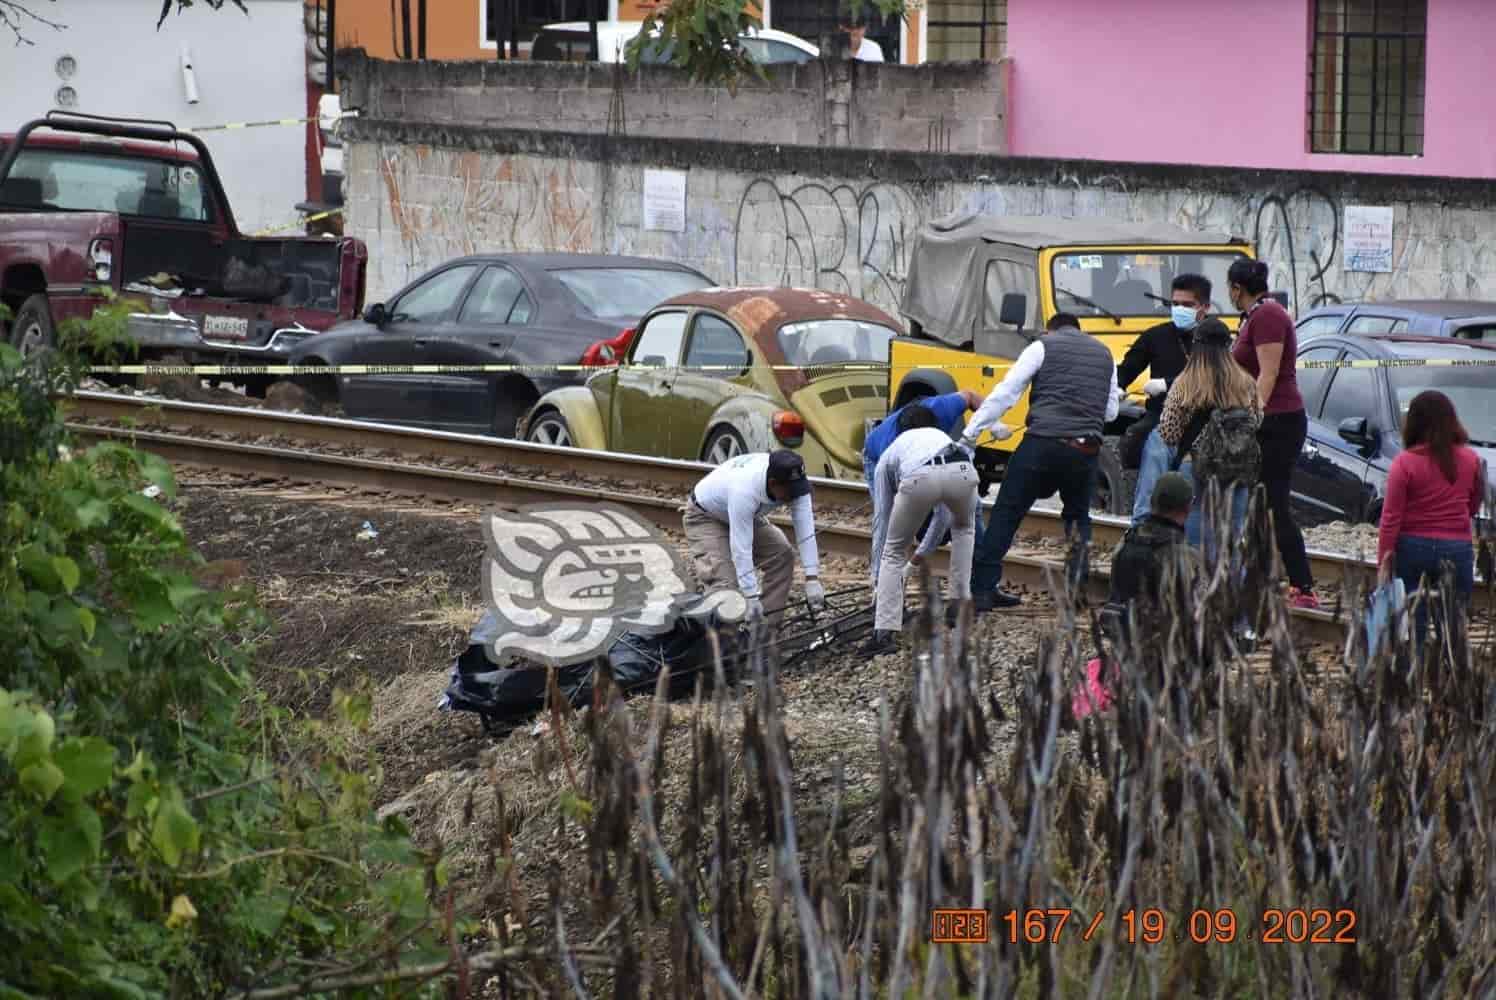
{"x": 1222, "y": 802}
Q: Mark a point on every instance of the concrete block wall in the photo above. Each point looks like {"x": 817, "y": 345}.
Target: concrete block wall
{"x": 877, "y": 106}
{"x": 846, "y": 218}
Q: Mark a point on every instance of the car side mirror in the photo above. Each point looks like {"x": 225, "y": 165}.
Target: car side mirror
{"x": 377, "y": 315}
{"x": 1014, "y": 309}
{"x": 1357, "y": 431}
{"x": 607, "y": 354}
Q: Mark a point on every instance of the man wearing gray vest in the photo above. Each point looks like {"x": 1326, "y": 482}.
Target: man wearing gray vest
{"x": 1074, "y": 397}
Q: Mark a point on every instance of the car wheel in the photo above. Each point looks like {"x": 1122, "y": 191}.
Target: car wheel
{"x": 550, "y": 428}
{"x": 724, "y": 444}
{"x": 31, "y": 332}
{"x": 1115, "y": 486}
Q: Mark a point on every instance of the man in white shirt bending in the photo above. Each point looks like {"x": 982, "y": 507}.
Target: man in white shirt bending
{"x": 730, "y": 539}
{"x": 922, "y": 471}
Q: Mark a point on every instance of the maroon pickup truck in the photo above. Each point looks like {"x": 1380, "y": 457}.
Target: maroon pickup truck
{"x": 92, "y": 203}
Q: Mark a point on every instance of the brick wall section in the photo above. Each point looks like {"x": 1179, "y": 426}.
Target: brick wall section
{"x": 875, "y": 106}
{"x": 846, "y": 218}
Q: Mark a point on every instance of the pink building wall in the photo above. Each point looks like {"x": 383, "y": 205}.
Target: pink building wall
{"x": 1199, "y": 81}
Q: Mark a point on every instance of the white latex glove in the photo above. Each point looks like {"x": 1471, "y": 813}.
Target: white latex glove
{"x": 1155, "y": 387}
{"x": 1002, "y": 431}
{"x": 908, "y": 571}
{"x": 755, "y": 615}
{"x": 815, "y": 594}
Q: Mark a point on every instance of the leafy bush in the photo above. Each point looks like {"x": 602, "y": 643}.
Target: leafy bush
{"x": 164, "y": 831}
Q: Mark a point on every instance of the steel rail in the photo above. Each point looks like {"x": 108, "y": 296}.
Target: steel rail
{"x": 506, "y": 491}
{"x": 1106, "y": 530}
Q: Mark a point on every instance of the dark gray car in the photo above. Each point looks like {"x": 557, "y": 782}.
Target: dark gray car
{"x": 1464, "y": 319}
{"x": 519, "y": 309}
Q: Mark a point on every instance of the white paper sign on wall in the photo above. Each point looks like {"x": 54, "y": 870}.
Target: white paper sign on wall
{"x": 1368, "y": 238}
{"x": 665, "y": 200}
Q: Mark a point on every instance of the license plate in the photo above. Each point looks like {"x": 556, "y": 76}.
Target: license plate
{"x": 226, "y": 327}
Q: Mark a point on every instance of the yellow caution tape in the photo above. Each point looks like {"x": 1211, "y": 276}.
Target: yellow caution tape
{"x": 229, "y": 126}
{"x": 301, "y": 222}
{"x": 234, "y": 369}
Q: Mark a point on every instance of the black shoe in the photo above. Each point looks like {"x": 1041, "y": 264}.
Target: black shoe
{"x": 995, "y": 599}
{"x": 883, "y": 641}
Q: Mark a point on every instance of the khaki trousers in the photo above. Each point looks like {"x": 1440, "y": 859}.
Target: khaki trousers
{"x": 709, "y": 544}
{"x": 920, "y": 492}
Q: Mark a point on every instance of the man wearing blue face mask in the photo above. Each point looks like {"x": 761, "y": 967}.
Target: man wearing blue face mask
{"x": 1163, "y": 351}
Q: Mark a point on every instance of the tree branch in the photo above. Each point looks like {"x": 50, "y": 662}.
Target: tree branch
{"x": 12, "y": 14}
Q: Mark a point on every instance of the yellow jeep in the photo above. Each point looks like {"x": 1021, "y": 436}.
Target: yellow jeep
{"x": 981, "y": 288}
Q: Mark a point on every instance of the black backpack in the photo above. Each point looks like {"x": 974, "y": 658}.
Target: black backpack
{"x": 1222, "y": 445}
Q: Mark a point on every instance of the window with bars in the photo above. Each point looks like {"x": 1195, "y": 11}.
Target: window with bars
{"x": 523, "y": 19}
{"x": 1366, "y": 74}
{"x": 961, "y": 30}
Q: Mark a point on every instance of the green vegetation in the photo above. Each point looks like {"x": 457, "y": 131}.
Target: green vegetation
{"x": 702, "y": 36}
{"x": 163, "y": 830}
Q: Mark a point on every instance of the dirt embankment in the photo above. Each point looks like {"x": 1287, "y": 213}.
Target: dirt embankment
{"x": 393, "y": 606}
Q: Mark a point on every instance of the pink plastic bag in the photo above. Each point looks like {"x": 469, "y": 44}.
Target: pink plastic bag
{"x": 1092, "y": 694}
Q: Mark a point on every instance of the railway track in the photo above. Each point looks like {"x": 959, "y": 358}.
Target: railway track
{"x": 832, "y": 495}
{"x": 404, "y": 476}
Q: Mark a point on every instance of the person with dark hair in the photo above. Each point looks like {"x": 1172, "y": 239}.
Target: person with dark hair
{"x": 920, "y": 474}
{"x": 859, "y": 46}
{"x": 1434, "y": 491}
{"x": 1162, "y": 350}
{"x": 1073, "y": 398}
{"x": 1267, "y": 347}
{"x": 949, "y": 409}
{"x": 1213, "y": 383}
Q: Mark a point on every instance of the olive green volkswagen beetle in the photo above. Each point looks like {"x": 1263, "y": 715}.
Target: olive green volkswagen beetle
{"x": 717, "y": 372}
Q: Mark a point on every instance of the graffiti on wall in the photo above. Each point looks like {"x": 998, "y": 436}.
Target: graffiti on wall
{"x": 446, "y": 204}
{"x": 836, "y": 238}
{"x": 418, "y": 207}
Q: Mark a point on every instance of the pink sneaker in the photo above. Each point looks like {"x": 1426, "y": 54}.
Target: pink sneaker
{"x": 1302, "y": 599}
{"x": 1091, "y": 695}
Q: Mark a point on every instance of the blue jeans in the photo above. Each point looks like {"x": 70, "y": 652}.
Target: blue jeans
{"x": 1038, "y": 468}
{"x": 1154, "y": 463}
{"x": 1418, "y": 557}
{"x": 1196, "y": 526}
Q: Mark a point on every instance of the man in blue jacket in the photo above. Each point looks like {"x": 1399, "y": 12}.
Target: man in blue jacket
{"x": 949, "y": 410}
{"x": 950, "y": 414}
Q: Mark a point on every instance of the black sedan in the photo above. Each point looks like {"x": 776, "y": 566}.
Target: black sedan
{"x": 1464, "y": 319}
{"x": 1356, "y": 416}
{"x": 519, "y": 309}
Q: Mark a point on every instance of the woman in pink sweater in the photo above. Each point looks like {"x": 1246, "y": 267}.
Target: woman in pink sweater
{"x": 1434, "y": 490}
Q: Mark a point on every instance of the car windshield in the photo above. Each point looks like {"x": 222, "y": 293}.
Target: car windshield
{"x": 76, "y": 181}
{"x": 1134, "y": 284}
{"x": 623, "y": 292}
{"x": 1469, "y": 389}
{"x": 834, "y": 341}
